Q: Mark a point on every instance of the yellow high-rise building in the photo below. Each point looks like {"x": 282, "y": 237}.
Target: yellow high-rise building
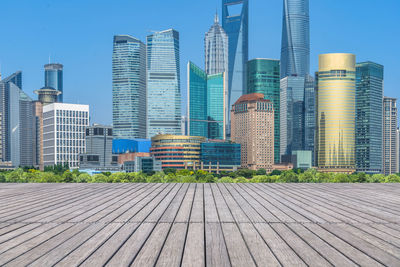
{"x": 336, "y": 89}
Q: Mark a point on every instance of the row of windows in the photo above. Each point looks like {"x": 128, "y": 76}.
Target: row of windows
{"x": 72, "y": 113}
{"x": 70, "y": 128}
{"x": 72, "y": 121}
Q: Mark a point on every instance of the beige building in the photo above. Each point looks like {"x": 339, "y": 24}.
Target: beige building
{"x": 252, "y": 126}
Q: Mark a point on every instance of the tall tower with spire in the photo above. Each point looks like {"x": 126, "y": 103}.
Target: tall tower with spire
{"x": 216, "y": 57}
{"x": 216, "y": 49}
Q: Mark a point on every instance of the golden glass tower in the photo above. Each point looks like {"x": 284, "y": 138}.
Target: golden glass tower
{"x": 336, "y": 89}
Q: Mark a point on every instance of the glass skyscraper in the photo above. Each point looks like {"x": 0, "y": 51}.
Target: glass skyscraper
{"x": 216, "y": 49}
{"x": 295, "y": 50}
{"x": 263, "y": 76}
{"x": 369, "y": 101}
{"x": 336, "y": 105}
{"x": 206, "y": 103}
{"x": 235, "y": 20}
{"x": 18, "y": 124}
{"x": 292, "y": 114}
{"x": 129, "y": 87}
{"x": 53, "y": 78}
{"x": 390, "y": 159}
{"x": 163, "y": 84}
{"x": 309, "y": 116}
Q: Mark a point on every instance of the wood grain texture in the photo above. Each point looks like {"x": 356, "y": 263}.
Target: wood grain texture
{"x": 200, "y": 225}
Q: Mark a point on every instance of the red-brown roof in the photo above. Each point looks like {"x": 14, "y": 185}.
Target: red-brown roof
{"x": 251, "y": 97}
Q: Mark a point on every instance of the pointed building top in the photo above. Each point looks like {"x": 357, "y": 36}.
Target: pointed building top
{"x": 216, "y": 19}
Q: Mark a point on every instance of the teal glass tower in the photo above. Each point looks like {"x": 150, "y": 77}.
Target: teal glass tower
{"x": 369, "y": 103}
{"x": 53, "y": 78}
{"x": 263, "y": 76}
{"x": 235, "y": 22}
{"x": 206, "y": 103}
{"x": 163, "y": 84}
{"x": 129, "y": 87}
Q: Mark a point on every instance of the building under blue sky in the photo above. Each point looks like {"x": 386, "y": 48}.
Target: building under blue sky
{"x": 79, "y": 34}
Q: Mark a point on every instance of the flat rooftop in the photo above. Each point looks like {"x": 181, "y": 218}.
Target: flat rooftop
{"x": 200, "y": 224}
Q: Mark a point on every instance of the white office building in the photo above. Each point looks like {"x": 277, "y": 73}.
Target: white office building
{"x": 64, "y": 128}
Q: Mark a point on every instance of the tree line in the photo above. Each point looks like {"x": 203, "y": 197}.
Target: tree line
{"x": 62, "y": 174}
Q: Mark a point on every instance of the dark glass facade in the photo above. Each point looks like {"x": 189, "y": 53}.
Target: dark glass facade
{"x": 369, "y": 101}
{"x": 220, "y": 152}
{"x": 235, "y": 20}
{"x": 263, "y": 76}
{"x": 53, "y": 78}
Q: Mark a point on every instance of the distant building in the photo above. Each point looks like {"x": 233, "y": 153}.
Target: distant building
{"x": 122, "y": 146}
{"x": 163, "y": 84}
{"x": 177, "y": 151}
{"x": 253, "y": 128}
{"x": 129, "y": 87}
{"x": 336, "y": 101}
{"x": 131, "y": 156}
{"x": 143, "y": 164}
{"x": 390, "y": 163}
{"x": 310, "y": 113}
{"x": 263, "y": 77}
{"x": 369, "y": 103}
{"x": 206, "y": 103}
{"x": 98, "y": 155}
{"x": 46, "y": 96}
{"x": 217, "y": 156}
{"x": 292, "y": 114}
{"x": 235, "y": 22}
{"x": 64, "y": 127}
{"x": 17, "y": 124}
{"x": 53, "y": 77}
{"x": 295, "y": 50}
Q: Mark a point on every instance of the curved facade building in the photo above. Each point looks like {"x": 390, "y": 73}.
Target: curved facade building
{"x": 295, "y": 51}
{"x": 177, "y": 151}
{"x": 336, "y": 101}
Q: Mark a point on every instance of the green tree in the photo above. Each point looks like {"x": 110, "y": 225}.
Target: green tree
{"x": 288, "y": 177}
{"x": 261, "y": 172}
{"x": 392, "y": 179}
{"x": 376, "y": 178}
{"x": 225, "y": 179}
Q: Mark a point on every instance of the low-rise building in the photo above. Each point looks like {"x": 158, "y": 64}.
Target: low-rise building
{"x": 177, "y": 151}
{"x": 217, "y": 156}
{"x": 98, "y": 156}
{"x": 143, "y": 164}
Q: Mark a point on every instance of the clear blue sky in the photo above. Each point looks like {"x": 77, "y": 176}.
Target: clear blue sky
{"x": 79, "y": 33}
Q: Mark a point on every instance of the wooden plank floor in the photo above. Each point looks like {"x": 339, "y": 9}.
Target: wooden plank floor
{"x": 200, "y": 224}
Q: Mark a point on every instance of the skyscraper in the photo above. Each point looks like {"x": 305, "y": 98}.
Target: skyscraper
{"x": 390, "y": 138}
{"x": 295, "y": 50}
{"x": 263, "y": 77}
{"x": 309, "y": 117}
{"x": 163, "y": 83}
{"x": 18, "y": 127}
{"x": 216, "y": 49}
{"x": 292, "y": 118}
{"x": 253, "y": 128}
{"x": 369, "y": 101}
{"x": 235, "y": 20}
{"x": 206, "y": 103}
{"x": 336, "y": 112}
{"x": 129, "y": 87}
{"x": 53, "y": 78}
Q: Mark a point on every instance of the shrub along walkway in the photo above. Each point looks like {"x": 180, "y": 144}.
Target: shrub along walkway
{"x": 200, "y": 224}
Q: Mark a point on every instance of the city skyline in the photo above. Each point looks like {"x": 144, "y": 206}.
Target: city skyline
{"x": 85, "y": 78}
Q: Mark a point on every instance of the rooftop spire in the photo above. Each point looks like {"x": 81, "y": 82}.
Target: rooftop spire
{"x": 216, "y": 19}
